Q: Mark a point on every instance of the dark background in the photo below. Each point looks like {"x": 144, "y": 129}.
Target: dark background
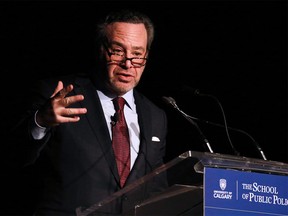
{"x": 235, "y": 51}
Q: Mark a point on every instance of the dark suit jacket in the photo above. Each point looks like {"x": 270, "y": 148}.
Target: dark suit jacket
{"x": 77, "y": 162}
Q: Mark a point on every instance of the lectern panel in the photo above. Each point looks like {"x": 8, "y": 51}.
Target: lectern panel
{"x": 235, "y": 192}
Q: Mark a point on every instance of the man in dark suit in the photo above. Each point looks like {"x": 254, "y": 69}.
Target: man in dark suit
{"x": 67, "y": 131}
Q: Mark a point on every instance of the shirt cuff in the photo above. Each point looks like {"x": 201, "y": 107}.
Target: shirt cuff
{"x": 38, "y": 132}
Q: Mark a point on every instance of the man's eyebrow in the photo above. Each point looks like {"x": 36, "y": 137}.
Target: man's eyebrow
{"x": 133, "y": 47}
{"x": 138, "y": 48}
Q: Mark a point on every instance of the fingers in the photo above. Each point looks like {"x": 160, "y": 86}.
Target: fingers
{"x": 60, "y": 104}
{"x": 57, "y": 110}
{"x": 51, "y": 118}
{"x": 67, "y": 101}
{"x": 61, "y": 91}
{"x": 59, "y": 98}
{"x": 71, "y": 114}
{"x": 58, "y": 88}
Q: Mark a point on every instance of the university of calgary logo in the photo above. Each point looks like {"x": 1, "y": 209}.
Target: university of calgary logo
{"x": 222, "y": 183}
{"x": 222, "y": 194}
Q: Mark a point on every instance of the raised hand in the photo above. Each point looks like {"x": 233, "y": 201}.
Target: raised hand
{"x": 57, "y": 110}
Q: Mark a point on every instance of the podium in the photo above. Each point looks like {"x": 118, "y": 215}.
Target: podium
{"x": 206, "y": 184}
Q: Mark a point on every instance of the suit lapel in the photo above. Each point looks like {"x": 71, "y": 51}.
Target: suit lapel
{"x": 96, "y": 119}
{"x": 144, "y": 118}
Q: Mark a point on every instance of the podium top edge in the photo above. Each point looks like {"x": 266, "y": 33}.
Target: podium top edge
{"x": 208, "y": 159}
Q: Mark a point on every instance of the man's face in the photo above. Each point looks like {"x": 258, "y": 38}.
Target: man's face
{"x": 127, "y": 40}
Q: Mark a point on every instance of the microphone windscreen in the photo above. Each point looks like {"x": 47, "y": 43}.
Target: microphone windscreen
{"x": 166, "y": 100}
{"x": 189, "y": 90}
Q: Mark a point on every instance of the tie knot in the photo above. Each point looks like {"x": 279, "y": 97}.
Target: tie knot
{"x": 119, "y": 103}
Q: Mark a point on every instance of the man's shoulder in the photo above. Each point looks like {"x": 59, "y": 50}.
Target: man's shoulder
{"x": 142, "y": 99}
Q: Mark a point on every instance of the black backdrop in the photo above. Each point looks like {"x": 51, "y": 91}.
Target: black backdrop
{"x": 235, "y": 51}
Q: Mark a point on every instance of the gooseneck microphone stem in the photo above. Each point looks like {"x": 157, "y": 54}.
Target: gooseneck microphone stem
{"x": 224, "y": 118}
{"x": 172, "y": 102}
{"x": 196, "y": 92}
{"x": 198, "y": 129}
{"x": 234, "y": 129}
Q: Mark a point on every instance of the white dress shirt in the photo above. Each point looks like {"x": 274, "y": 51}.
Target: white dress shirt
{"x": 131, "y": 118}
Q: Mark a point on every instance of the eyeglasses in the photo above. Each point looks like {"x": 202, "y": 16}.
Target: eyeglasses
{"x": 119, "y": 57}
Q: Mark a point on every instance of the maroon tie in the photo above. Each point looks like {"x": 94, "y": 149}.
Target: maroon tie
{"x": 120, "y": 140}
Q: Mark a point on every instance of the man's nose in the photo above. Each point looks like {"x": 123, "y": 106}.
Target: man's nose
{"x": 128, "y": 62}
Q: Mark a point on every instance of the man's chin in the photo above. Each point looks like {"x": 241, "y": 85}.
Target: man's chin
{"x": 121, "y": 88}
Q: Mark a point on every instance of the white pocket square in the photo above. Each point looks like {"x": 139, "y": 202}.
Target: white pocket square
{"x": 154, "y": 138}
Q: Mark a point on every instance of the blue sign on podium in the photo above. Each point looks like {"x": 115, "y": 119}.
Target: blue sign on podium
{"x": 234, "y": 192}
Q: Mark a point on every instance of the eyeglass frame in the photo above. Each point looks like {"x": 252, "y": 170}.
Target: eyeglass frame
{"x": 125, "y": 58}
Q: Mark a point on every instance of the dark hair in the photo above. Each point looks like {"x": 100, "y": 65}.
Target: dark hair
{"x": 127, "y": 16}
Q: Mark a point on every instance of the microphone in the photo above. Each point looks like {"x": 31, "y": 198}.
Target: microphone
{"x": 172, "y": 102}
{"x": 196, "y": 92}
{"x": 114, "y": 119}
{"x": 190, "y": 90}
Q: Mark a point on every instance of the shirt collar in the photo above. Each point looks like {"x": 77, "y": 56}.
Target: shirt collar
{"x": 129, "y": 97}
